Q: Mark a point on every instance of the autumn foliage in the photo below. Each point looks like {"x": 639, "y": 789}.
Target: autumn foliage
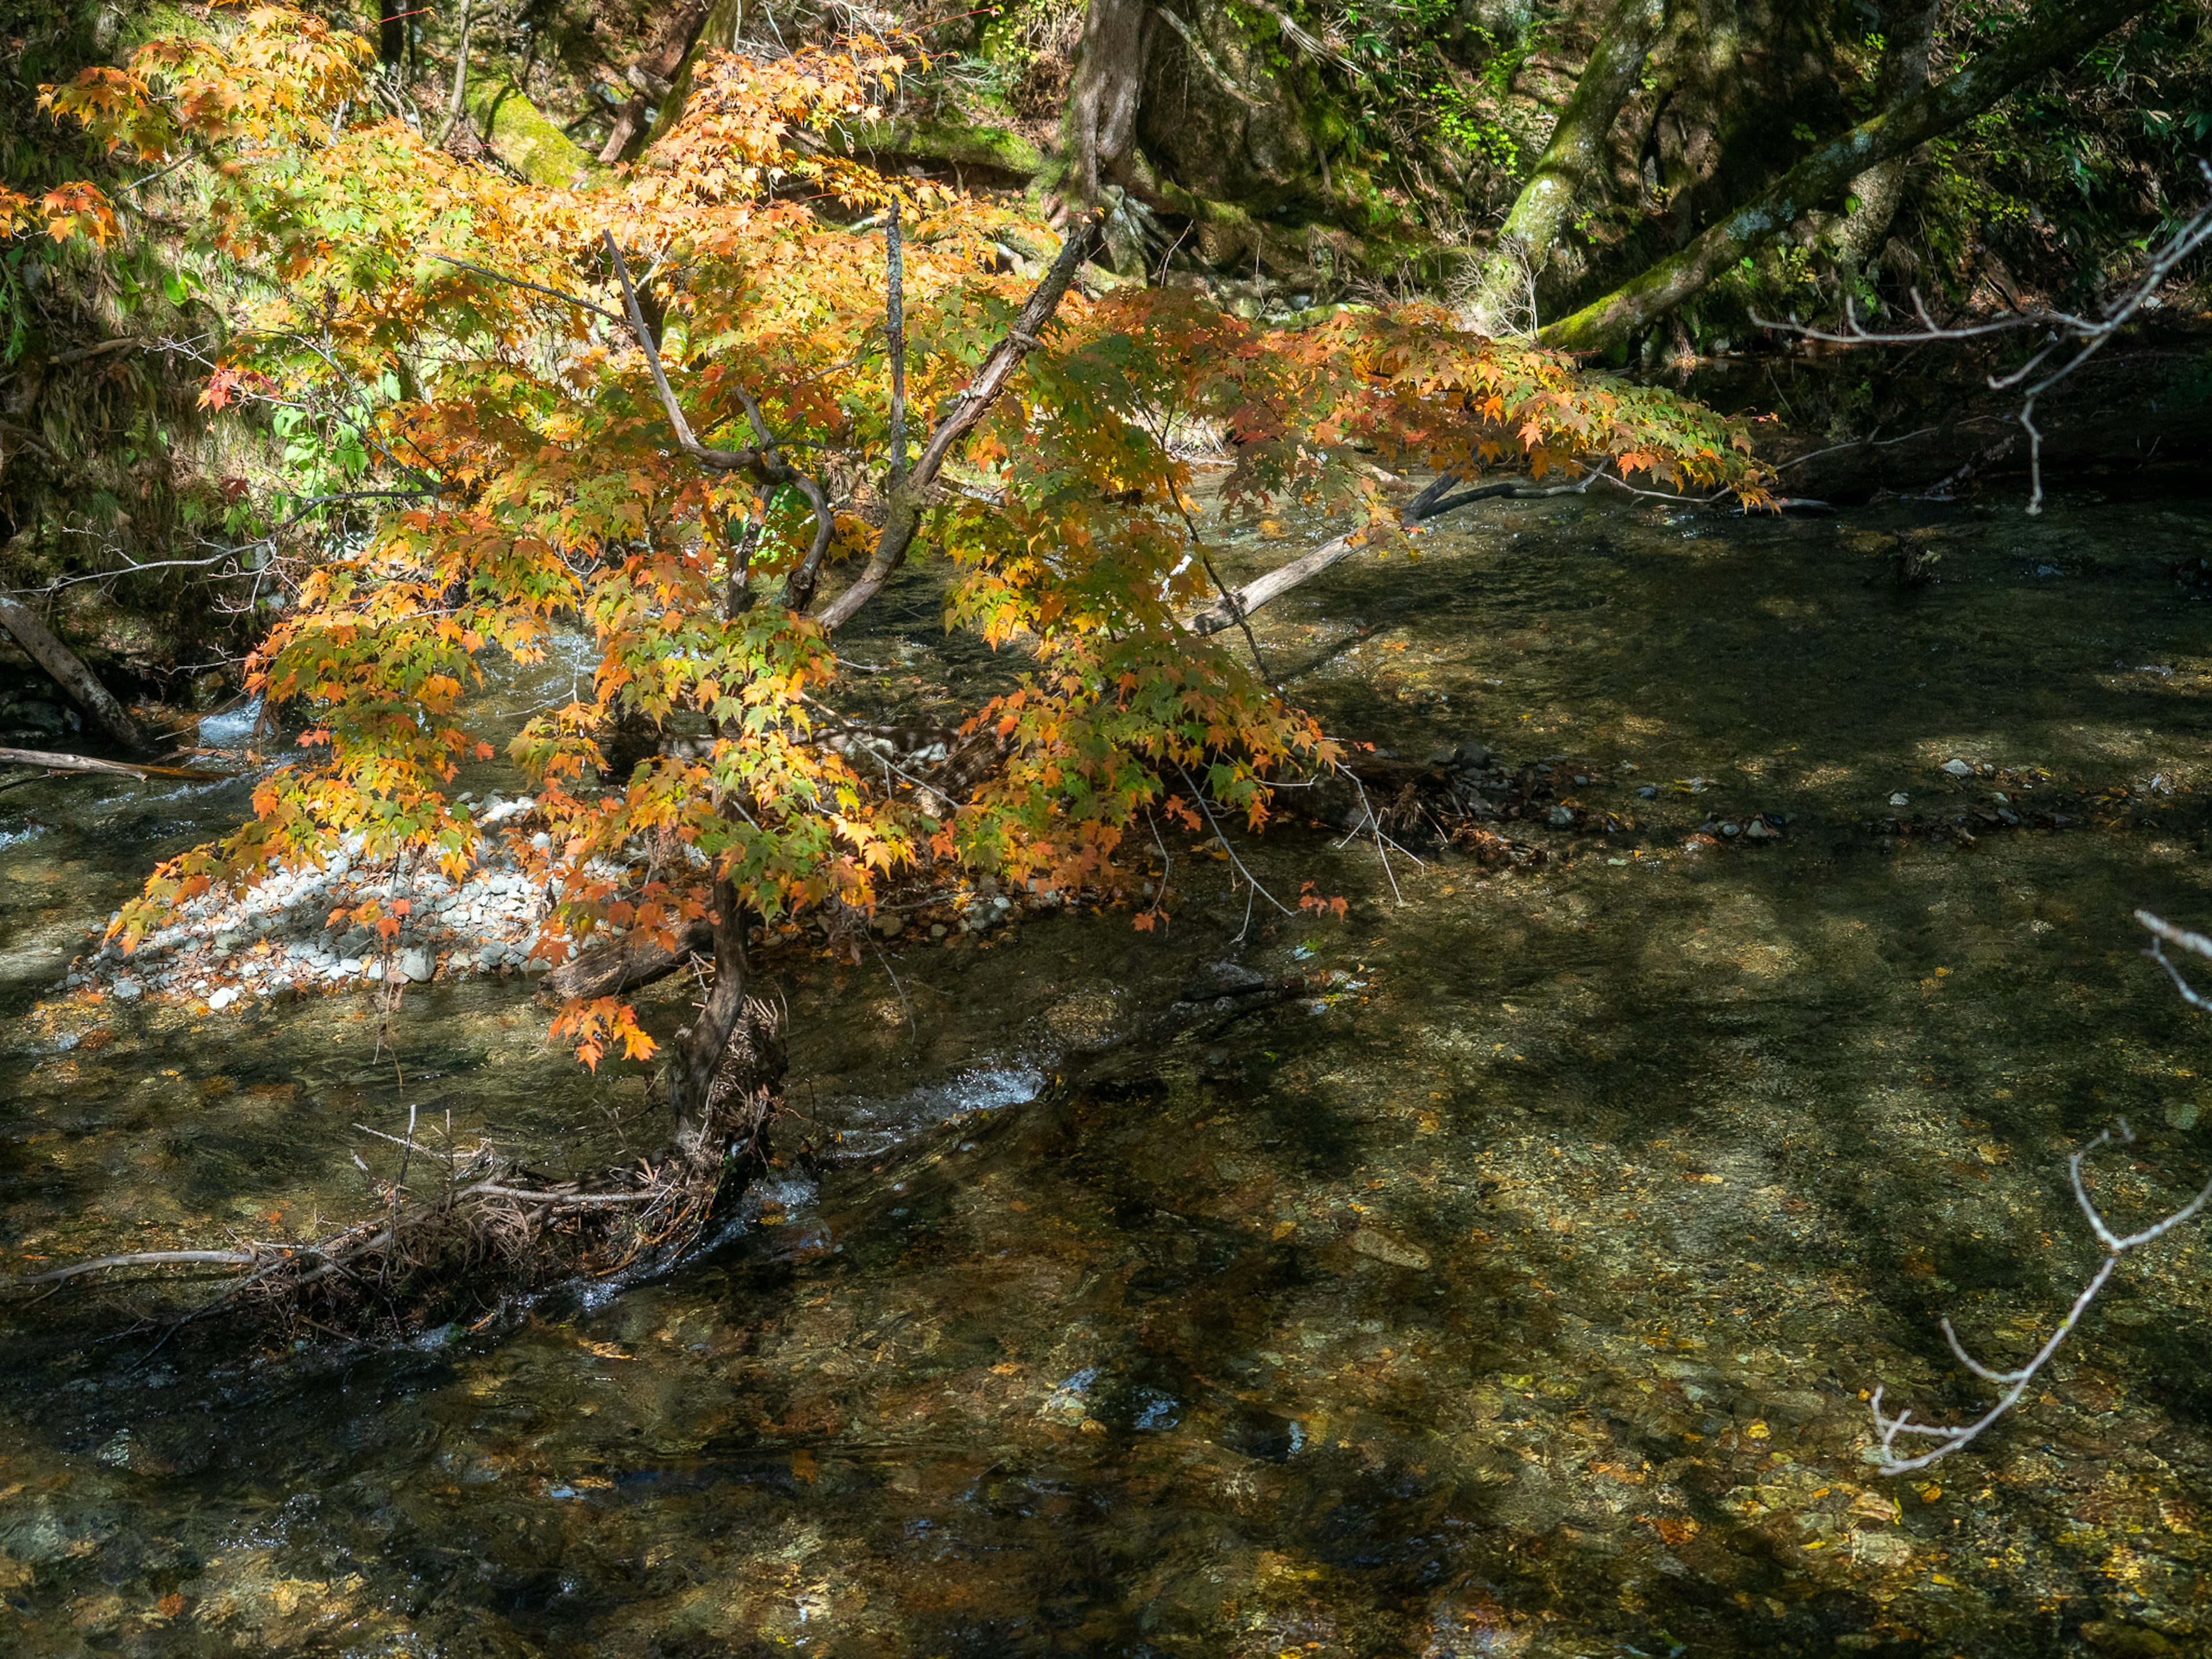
{"x": 541, "y": 489}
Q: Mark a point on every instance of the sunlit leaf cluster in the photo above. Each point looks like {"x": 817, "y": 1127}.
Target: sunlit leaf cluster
{"x": 476, "y": 324}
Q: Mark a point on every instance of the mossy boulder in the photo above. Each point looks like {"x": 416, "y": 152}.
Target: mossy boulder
{"x": 524, "y": 137}
{"x": 996, "y": 154}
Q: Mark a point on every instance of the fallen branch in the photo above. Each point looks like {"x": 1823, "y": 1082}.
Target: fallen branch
{"x": 142, "y": 1259}
{"x": 486, "y": 1226}
{"x": 53, "y": 761}
{"x": 2014, "y": 1384}
{"x": 70, "y": 674}
{"x": 1433, "y": 501}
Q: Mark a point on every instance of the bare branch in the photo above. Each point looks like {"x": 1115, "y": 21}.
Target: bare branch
{"x": 575, "y": 299}
{"x": 968, "y": 406}
{"x": 2089, "y": 336}
{"x": 54, "y": 760}
{"x": 141, "y": 1259}
{"x": 2014, "y": 1384}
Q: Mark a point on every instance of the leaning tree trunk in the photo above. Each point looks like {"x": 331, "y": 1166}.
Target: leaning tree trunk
{"x": 1910, "y": 34}
{"x": 1570, "y": 165}
{"x": 72, "y": 675}
{"x": 1100, "y": 126}
{"x": 653, "y": 76}
{"x": 2058, "y": 31}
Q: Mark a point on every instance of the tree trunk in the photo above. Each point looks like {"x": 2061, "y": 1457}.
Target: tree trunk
{"x": 1100, "y": 127}
{"x": 1566, "y": 172}
{"x": 653, "y": 76}
{"x": 72, "y": 676}
{"x": 2058, "y": 31}
{"x": 725, "y": 23}
{"x": 1910, "y": 32}
{"x": 391, "y": 32}
{"x": 699, "y": 1062}
{"x": 460, "y": 76}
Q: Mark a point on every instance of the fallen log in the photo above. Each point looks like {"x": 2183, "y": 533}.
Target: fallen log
{"x": 54, "y": 760}
{"x": 635, "y": 958}
{"x": 72, "y": 675}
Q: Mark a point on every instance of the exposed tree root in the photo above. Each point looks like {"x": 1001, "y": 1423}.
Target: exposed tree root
{"x": 460, "y": 1230}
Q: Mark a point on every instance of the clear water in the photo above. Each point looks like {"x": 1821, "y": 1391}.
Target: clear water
{"x": 1515, "y": 1296}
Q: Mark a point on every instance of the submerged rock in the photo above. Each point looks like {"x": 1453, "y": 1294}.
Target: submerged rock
{"x": 1379, "y": 1246}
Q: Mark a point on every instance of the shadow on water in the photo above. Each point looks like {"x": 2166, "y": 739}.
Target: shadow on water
{"x": 1515, "y": 1293}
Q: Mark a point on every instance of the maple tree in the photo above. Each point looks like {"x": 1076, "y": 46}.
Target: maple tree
{"x": 673, "y": 409}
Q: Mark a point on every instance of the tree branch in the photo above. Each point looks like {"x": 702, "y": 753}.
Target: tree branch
{"x": 1233, "y": 608}
{"x": 2089, "y": 336}
{"x": 1949, "y": 1438}
{"x": 2058, "y": 29}
{"x": 970, "y": 405}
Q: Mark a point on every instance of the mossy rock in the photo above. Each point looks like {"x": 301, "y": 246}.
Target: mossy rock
{"x": 524, "y": 138}
{"x": 991, "y": 151}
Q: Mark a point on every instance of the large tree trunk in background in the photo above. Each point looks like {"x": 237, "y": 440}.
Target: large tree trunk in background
{"x": 653, "y": 76}
{"x": 2058, "y": 30}
{"x": 1909, "y": 32}
{"x": 391, "y": 32}
{"x": 72, "y": 676}
{"x": 1570, "y": 166}
{"x": 1100, "y": 127}
{"x": 725, "y": 22}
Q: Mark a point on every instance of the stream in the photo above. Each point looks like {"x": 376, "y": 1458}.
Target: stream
{"x": 1516, "y": 1293}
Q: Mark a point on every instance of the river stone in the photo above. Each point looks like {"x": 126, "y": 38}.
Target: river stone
{"x": 223, "y": 998}
{"x": 1958, "y": 768}
{"x": 129, "y": 990}
{"x": 418, "y": 964}
{"x": 1379, "y": 1246}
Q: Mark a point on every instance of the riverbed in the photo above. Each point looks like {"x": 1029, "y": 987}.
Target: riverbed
{"x": 1516, "y": 1289}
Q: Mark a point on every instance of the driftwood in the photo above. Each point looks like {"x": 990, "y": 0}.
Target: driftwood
{"x": 455, "y": 1230}
{"x": 55, "y": 761}
{"x": 72, "y": 675}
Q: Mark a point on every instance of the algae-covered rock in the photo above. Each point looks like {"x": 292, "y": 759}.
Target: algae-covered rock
{"x": 522, "y": 135}
{"x": 948, "y": 144}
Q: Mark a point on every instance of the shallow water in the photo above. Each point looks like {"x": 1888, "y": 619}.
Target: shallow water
{"x": 1515, "y": 1294}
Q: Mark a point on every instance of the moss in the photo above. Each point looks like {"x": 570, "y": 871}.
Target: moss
{"x": 950, "y": 144}
{"x": 521, "y": 135}
{"x": 156, "y": 21}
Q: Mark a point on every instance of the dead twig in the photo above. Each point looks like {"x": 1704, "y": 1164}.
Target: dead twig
{"x": 2014, "y": 1384}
